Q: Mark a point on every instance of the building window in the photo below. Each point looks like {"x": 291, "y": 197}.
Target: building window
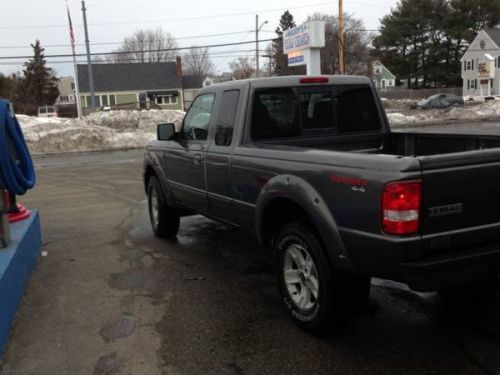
{"x": 72, "y": 85}
{"x": 104, "y": 100}
{"x": 468, "y": 65}
{"x": 166, "y": 99}
{"x": 112, "y": 100}
{"x": 471, "y": 84}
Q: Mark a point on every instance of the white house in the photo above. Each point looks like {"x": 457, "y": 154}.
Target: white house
{"x": 481, "y": 64}
{"x": 382, "y": 77}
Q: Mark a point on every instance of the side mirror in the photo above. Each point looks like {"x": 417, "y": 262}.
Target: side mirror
{"x": 165, "y": 132}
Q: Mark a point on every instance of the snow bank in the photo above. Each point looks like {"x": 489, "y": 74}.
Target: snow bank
{"x": 115, "y": 130}
{"x": 481, "y": 112}
{"x": 100, "y": 131}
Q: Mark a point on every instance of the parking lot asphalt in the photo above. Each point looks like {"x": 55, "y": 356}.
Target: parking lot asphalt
{"x": 110, "y": 298}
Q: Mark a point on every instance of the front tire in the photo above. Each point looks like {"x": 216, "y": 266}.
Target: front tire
{"x": 318, "y": 299}
{"x": 164, "y": 219}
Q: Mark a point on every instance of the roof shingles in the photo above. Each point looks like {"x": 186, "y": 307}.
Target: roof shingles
{"x": 494, "y": 34}
{"x": 130, "y": 77}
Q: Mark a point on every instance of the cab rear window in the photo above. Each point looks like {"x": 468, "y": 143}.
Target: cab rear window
{"x": 295, "y": 112}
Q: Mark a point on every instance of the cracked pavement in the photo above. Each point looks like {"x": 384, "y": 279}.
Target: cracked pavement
{"x": 110, "y": 298}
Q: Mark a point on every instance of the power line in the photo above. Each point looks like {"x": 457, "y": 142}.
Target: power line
{"x": 17, "y": 63}
{"x": 171, "y": 19}
{"x": 130, "y": 52}
{"x": 118, "y": 43}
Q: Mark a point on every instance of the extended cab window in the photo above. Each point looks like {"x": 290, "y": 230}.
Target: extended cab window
{"x": 198, "y": 118}
{"x": 226, "y": 117}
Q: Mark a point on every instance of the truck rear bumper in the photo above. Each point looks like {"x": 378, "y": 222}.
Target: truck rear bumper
{"x": 401, "y": 259}
{"x": 452, "y": 270}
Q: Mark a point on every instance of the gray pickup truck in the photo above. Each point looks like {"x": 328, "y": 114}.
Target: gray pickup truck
{"x": 310, "y": 166}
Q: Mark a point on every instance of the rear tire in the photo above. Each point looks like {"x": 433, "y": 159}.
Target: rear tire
{"x": 318, "y": 299}
{"x": 164, "y": 219}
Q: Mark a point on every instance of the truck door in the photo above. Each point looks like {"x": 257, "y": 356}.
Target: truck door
{"x": 184, "y": 161}
{"x": 218, "y": 163}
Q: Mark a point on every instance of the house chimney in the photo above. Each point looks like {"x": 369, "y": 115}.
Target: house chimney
{"x": 178, "y": 63}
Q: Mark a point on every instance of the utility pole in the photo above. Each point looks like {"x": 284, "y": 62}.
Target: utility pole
{"x": 341, "y": 38}
{"x": 256, "y": 45}
{"x": 89, "y": 60}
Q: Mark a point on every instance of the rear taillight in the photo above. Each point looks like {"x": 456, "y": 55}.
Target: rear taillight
{"x": 401, "y": 207}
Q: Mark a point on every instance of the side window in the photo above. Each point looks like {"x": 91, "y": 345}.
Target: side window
{"x": 275, "y": 114}
{"x": 226, "y": 117}
{"x": 198, "y": 118}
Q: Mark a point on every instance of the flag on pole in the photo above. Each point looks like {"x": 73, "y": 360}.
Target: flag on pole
{"x": 71, "y": 32}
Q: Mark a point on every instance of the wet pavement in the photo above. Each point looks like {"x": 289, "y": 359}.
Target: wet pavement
{"x": 110, "y": 298}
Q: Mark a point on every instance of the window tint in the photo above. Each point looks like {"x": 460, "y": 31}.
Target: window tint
{"x": 292, "y": 112}
{"x": 275, "y": 114}
{"x": 316, "y": 110}
{"x": 226, "y": 117}
{"x": 198, "y": 118}
{"x": 356, "y": 109}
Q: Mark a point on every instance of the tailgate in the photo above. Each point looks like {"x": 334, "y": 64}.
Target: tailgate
{"x": 461, "y": 192}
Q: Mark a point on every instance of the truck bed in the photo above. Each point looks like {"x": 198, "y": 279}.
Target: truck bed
{"x": 398, "y": 144}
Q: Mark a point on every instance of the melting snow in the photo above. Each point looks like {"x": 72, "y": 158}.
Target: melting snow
{"x": 135, "y": 129}
{"x": 100, "y": 131}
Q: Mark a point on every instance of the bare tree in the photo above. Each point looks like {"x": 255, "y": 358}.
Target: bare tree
{"x": 197, "y": 62}
{"x": 242, "y": 68}
{"x": 356, "y": 42}
{"x": 146, "y": 46}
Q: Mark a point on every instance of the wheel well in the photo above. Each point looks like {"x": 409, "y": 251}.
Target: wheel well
{"x": 147, "y": 176}
{"x": 277, "y": 213}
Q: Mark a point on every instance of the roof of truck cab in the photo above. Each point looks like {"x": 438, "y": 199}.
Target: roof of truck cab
{"x": 268, "y": 82}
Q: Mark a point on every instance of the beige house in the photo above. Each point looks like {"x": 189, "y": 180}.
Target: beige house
{"x": 137, "y": 86}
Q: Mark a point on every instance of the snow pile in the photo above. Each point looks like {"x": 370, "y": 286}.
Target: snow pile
{"x": 483, "y": 112}
{"x": 100, "y": 131}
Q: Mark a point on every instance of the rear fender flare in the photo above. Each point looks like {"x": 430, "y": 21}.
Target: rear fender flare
{"x": 305, "y": 196}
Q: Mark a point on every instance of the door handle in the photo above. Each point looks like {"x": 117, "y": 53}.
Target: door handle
{"x": 198, "y": 158}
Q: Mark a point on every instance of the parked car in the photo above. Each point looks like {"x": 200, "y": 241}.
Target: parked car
{"x": 439, "y": 101}
{"x": 47, "y": 111}
{"x": 310, "y": 166}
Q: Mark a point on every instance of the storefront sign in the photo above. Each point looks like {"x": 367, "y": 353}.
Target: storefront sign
{"x": 308, "y": 35}
{"x": 296, "y": 58}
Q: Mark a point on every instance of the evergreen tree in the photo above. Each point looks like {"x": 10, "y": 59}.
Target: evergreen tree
{"x": 422, "y": 41}
{"x": 279, "y": 59}
{"x": 38, "y": 85}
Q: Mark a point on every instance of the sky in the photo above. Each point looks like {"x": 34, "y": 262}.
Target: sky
{"x": 191, "y": 22}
